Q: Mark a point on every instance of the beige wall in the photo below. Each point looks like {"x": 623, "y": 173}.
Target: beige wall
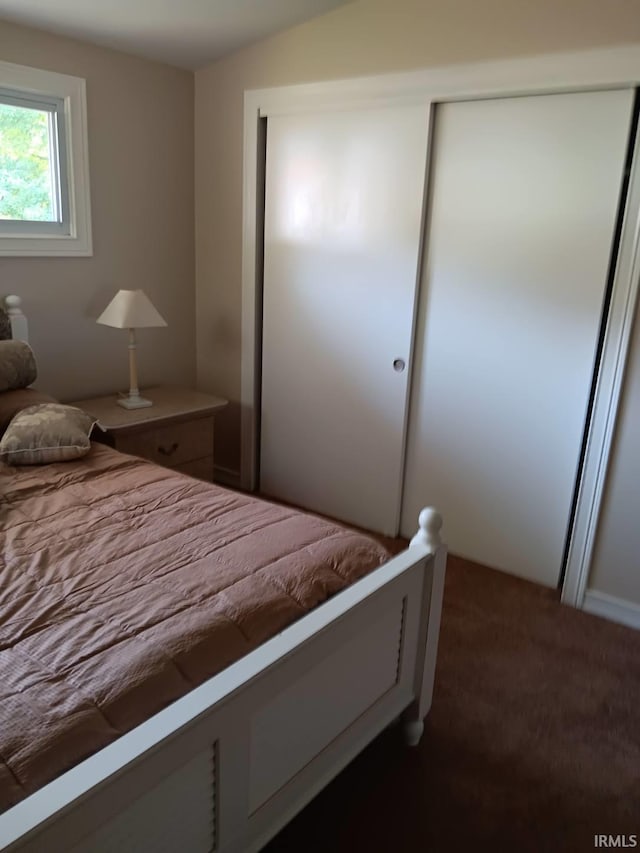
{"x": 140, "y": 118}
{"x": 616, "y": 562}
{"x": 364, "y": 37}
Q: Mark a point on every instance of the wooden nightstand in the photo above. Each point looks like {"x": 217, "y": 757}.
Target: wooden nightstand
{"x": 177, "y": 431}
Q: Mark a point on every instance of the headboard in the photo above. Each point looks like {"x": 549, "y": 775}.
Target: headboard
{"x": 13, "y": 323}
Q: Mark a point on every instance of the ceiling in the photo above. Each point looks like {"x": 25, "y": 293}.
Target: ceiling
{"x": 187, "y": 33}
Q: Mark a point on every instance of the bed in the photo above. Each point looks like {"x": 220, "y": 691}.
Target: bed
{"x": 169, "y": 707}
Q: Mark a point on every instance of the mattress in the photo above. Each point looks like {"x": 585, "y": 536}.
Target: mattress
{"x": 124, "y": 585}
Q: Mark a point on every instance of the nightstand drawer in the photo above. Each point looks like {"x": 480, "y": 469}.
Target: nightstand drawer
{"x": 171, "y": 445}
{"x": 201, "y": 469}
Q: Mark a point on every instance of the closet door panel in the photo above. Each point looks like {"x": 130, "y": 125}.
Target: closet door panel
{"x": 343, "y": 211}
{"x": 523, "y": 203}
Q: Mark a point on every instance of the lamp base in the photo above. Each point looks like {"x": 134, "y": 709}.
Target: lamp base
{"x": 136, "y": 402}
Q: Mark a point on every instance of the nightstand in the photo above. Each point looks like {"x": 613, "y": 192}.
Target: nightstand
{"x": 176, "y": 432}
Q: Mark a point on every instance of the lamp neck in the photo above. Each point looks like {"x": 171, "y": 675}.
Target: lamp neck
{"x": 133, "y": 367}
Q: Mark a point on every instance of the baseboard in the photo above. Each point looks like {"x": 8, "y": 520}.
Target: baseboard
{"x": 609, "y": 607}
{"x": 226, "y": 476}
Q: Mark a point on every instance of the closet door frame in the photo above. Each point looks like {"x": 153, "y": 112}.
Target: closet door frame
{"x": 607, "y": 395}
{"x": 550, "y": 74}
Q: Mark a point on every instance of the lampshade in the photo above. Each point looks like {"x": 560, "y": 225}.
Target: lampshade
{"x": 130, "y": 309}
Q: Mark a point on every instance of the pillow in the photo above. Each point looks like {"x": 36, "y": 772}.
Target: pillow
{"x": 17, "y": 365}
{"x": 5, "y": 326}
{"x": 11, "y": 402}
{"x": 47, "y": 432}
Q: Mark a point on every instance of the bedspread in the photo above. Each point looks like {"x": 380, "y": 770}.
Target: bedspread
{"x": 124, "y": 585}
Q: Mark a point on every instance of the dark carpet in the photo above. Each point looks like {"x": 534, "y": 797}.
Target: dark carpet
{"x": 532, "y": 744}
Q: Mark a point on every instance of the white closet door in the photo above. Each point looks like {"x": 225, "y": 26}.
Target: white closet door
{"x": 523, "y": 203}
{"x": 343, "y": 210}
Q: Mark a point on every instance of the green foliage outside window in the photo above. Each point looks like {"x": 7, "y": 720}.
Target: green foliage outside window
{"x": 25, "y": 170}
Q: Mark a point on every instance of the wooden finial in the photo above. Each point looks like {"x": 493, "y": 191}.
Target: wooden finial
{"x": 19, "y": 325}
{"x": 428, "y": 535}
{"x": 12, "y": 304}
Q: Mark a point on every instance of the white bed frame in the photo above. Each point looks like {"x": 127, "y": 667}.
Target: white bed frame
{"x": 19, "y": 328}
{"x": 225, "y": 767}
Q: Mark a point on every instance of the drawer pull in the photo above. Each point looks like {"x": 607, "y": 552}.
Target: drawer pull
{"x": 170, "y": 451}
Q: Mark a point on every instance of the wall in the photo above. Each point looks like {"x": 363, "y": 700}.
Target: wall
{"x": 364, "y": 37}
{"x": 140, "y": 120}
{"x": 615, "y": 568}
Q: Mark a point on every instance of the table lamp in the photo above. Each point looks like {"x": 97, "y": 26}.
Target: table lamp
{"x": 131, "y": 309}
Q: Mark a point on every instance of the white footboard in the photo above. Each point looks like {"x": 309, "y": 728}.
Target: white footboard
{"x": 225, "y": 767}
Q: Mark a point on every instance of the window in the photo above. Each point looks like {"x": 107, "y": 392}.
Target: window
{"x": 44, "y": 187}
{"x": 34, "y": 189}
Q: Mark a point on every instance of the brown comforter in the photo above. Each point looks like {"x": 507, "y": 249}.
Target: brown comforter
{"x": 124, "y": 585}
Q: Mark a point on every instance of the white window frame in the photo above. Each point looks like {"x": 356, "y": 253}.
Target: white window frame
{"x": 65, "y": 97}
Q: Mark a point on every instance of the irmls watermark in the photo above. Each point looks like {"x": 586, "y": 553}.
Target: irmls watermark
{"x": 615, "y": 841}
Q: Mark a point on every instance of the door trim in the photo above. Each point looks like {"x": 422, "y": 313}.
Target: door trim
{"x": 608, "y": 394}
{"x": 548, "y": 74}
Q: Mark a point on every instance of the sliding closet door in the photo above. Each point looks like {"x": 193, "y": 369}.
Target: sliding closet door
{"x": 523, "y": 205}
{"x": 343, "y": 210}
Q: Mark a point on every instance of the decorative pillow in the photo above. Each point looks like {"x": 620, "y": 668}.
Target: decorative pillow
{"x": 47, "y": 432}
{"x": 5, "y": 326}
{"x": 12, "y": 402}
{"x": 17, "y": 365}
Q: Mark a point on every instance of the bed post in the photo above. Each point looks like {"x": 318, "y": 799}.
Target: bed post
{"x": 427, "y": 537}
{"x": 19, "y": 327}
